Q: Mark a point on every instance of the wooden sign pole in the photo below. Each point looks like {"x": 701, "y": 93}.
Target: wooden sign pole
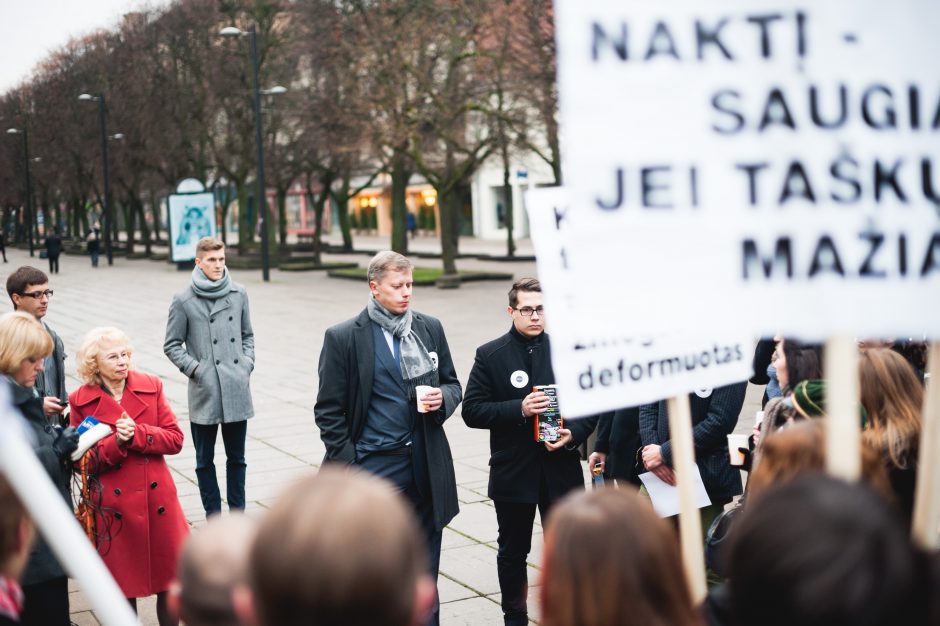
{"x": 926, "y": 524}
{"x": 843, "y": 424}
{"x": 690, "y": 522}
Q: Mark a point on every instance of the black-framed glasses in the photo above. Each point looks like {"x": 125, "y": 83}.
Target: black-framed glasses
{"x": 527, "y": 311}
{"x": 36, "y": 295}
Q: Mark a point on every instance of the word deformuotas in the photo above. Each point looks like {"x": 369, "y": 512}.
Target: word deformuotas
{"x": 676, "y": 365}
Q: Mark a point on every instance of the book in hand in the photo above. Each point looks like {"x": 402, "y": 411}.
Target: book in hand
{"x": 548, "y": 423}
{"x": 90, "y": 432}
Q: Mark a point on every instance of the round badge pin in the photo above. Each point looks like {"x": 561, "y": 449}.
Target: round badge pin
{"x": 703, "y": 393}
{"x": 519, "y": 379}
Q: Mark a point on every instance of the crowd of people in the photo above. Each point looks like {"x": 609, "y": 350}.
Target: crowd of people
{"x": 360, "y": 542}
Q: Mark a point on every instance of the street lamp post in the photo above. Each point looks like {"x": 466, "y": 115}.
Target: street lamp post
{"x": 29, "y": 185}
{"x": 252, "y": 35}
{"x": 102, "y": 117}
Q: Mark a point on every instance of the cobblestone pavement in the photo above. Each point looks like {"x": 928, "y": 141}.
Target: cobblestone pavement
{"x": 290, "y": 315}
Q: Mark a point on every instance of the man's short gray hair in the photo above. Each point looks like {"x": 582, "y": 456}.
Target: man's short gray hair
{"x": 387, "y": 260}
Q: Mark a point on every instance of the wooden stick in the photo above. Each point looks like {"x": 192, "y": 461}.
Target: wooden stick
{"x": 843, "y": 424}
{"x": 690, "y": 522}
{"x": 926, "y": 524}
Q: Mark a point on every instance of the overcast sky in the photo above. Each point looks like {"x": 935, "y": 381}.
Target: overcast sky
{"x": 31, "y": 29}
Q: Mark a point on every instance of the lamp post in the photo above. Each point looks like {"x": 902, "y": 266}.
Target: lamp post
{"x": 102, "y": 117}
{"x": 251, "y": 33}
{"x": 29, "y": 186}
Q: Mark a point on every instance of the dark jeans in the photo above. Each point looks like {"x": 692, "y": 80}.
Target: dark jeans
{"x": 515, "y": 522}
{"x": 233, "y": 436}
{"x": 54, "y": 264}
{"x": 46, "y": 604}
{"x": 399, "y": 470}
{"x": 94, "y": 257}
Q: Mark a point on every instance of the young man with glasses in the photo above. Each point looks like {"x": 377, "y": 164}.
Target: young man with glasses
{"x": 209, "y": 338}
{"x": 524, "y": 474}
{"x": 29, "y": 291}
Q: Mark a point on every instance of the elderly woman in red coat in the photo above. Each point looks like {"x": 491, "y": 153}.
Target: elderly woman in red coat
{"x": 139, "y": 522}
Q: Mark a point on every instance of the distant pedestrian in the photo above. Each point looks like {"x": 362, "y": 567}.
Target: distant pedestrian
{"x": 209, "y": 338}
{"x": 53, "y": 250}
{"x": 93, "y": 240}
{"x": 411, "y": 224}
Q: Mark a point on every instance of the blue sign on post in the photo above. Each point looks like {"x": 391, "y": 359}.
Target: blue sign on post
{"x": 192, "y": 217}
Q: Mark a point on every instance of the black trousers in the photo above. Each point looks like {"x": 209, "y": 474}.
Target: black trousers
{"x": 54, "y": 264}
{"x": 46, "y": 604}
{"x": 515, "y": 522}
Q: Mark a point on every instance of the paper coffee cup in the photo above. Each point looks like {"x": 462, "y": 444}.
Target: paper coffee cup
{"x": 735, "y": 442}
{"x": 420, "y": 392}
{"x": 758, "y": 418}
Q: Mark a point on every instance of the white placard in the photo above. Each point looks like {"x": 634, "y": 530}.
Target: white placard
{"x": 778, "y": 160}
{"x": 192, "y": 217}
{"x": 599, "y": 370}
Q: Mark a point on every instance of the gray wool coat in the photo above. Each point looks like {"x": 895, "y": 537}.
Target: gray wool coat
{"x": 212, "y": 343}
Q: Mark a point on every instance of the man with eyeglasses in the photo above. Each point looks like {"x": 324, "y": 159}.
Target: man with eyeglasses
{"x": 29, "y": 291}
{"x": 524, "y": 474}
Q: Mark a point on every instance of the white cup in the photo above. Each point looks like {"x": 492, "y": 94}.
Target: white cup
{"x": 420, "y": 392}
{"x": 758, "y": 418}
{"x": 735, "y": 442}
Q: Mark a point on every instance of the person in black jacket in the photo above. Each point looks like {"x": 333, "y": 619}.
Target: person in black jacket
{"x": 616, "y": 445}
{"x": 24, "y": 344}
{"x": 53, "y": 250}
{"x": 524, "y": 474}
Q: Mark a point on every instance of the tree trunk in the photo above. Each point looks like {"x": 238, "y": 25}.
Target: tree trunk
{"x": 507, "y": 198}
{"x": 342, "y": 200}
{"x": 155, "y": 212}
{"x": 319, "y": 206}
{"x": 400, "y": 178}
{"x": 130, "y": 217}
{"x": 282, "y": 215}
{"x": 448, "y": 202}
{"x": 244, "y": 228}
{"x": 144, "y": 228}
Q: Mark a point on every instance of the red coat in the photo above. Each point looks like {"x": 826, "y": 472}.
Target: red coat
{"x": 140, "y": 524}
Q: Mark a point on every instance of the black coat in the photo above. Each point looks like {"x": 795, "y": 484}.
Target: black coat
{"x": 493, "y": 401}
{"x": 345, "y": 371}
{"x": 713, "y": 419}
{"x": 42, "y": 565}
{"x": 618, "y": 436}
{"x": 54, "y": 245}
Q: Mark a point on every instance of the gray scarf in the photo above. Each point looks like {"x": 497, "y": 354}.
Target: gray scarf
{"x": 417, "y": 368}
{"x": 211, "y": 289}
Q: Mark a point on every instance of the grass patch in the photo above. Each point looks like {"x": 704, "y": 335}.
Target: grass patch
{"x": 423, "y": 275}
{"x": 309, "y": 266}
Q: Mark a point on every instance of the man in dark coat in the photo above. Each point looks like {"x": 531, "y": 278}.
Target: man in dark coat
{"x": 616, "y": 445}
{"x": 714, "y": 415}
{"x": 524, "y": 474}
{"x": 367, "y": 405}
{"x": 53, "y": 250}
{"x": 28, "y": 288}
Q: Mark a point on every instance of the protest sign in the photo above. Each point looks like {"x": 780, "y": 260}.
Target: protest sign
{"x": 775, "y": 159}
{"x": 600, "y": 371}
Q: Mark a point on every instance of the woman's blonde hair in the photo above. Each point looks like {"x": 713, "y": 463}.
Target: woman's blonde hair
{"x": 87, "y": 364}
{"x": 893, "y": 396}
{"x": 21, "y": 338}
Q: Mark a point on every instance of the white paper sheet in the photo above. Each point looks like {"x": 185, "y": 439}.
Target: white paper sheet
{"x": 666, "y": 497}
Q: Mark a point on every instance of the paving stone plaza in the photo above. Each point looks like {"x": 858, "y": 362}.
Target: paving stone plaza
{"x": 289, "y": 316}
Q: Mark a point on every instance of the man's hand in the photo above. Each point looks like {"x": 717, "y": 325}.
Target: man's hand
{"x": 596, "y": 458}
{"x": 125, "y": 428}
{"x": 52, "y": 405}
{"x": 563, "y": 441}
{"x": 665, "y": 474}
{"x": 535, "y": 403}
{"x": 432, "y": 400}
{"x": 652, "y": 457}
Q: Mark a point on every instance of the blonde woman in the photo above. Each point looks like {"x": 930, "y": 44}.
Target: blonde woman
{"x": 24, "y": 345}
{"x": 139, "y": 521}
{"x": 892, "y": 396}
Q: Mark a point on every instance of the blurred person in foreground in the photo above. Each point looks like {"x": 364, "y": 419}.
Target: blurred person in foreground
{"x": 24, "y": 346}
{"x": 16, "y": 537}
{"x": 138, "y": 518}
{"x": 609, "y": 561}
{"x": 893, "y": 396}
{"x": 341, "y": 548}
{"x": 213, "y": 564}
{"x": 821, "y": 552}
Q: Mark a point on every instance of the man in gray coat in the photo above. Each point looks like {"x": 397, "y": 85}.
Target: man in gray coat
{"x": 375, "y": 369}
{"x": 209, "y": 337}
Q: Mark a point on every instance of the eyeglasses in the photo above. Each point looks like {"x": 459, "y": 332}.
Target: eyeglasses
{"x": 527, "y": 311}
{"x": 36, "y": 295}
